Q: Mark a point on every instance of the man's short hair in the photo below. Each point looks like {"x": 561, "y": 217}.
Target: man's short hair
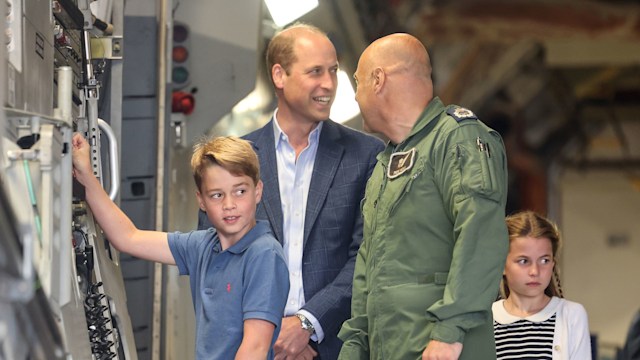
{"x": 230, "y": 152}
{"x": 280, "y": 49}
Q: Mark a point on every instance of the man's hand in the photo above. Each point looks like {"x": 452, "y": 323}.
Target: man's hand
{"x": 438, "y": 350}
{"x": 292, "y": 341}
{"x": 307, "y": 354}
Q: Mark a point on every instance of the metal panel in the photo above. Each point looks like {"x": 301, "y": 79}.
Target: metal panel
{"x": 33, "y": 87}
{"x": 138, "y": 148}
{"x": 141, "y": 62}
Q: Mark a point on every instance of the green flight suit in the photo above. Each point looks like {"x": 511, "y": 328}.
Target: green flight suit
{"x": 435, "y": 242}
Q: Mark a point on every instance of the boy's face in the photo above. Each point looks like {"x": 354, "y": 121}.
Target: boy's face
{"x": 230, "y": 202}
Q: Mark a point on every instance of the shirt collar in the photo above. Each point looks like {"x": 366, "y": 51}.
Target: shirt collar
{"x": 279, "y": 135}
{"x": 432, "y": 111}
{"x": 503, "y": 317}
{"x": 261, "y": 228}
{"x": 430, "y": 114}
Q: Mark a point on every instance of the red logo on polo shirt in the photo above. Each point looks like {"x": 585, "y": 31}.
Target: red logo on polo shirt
{"x": 228, "y": 287}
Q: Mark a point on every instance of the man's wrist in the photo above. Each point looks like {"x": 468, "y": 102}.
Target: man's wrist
{"x": 447, "y": 333}
{"x": 306, "y": 324}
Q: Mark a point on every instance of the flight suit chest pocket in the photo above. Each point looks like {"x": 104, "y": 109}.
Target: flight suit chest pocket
{"x": 372, "y": 194}
{"x": 400, "y": 188}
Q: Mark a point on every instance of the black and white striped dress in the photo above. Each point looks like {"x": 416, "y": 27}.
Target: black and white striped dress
{"x": 528, "y": 338}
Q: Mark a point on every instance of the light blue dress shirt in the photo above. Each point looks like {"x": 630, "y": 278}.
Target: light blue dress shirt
{"x": 294, "y": 177}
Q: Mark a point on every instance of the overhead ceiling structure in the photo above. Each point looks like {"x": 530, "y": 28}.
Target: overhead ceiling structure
{"x": 560, "y": 79}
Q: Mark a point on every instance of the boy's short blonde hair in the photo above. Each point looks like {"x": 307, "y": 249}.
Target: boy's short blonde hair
{"x": 230, "y": 152}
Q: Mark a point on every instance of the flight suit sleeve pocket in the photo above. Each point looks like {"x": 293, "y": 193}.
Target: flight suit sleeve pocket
{"x": 478, "y": 166}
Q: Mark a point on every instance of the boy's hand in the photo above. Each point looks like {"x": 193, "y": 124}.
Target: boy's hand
{"x": 81, "y": 158}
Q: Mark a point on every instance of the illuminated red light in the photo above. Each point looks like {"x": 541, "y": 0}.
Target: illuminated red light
{"x": 180, "y": 54}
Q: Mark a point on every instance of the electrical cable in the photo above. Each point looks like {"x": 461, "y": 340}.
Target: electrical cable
{"x": 32, "y": 196}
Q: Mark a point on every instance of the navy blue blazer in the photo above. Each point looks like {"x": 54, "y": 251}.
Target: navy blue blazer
{"x": 333, "y": 220}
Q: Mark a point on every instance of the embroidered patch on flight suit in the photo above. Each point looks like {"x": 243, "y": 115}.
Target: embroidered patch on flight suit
{"x": 460, "y": 113}
{"x": 400, "y": 162}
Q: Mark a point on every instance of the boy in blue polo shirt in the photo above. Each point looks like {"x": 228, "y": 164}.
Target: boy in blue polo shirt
{"x": 239, "y": 279}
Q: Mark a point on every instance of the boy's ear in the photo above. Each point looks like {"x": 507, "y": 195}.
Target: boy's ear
{"x": 200, "y": 201}
{"x": 259, "y": 187}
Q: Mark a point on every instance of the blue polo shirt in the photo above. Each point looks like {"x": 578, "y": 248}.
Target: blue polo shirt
{"x": 249, "y": 280}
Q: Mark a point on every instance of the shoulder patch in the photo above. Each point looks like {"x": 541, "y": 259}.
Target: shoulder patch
{"x": 460, "y": 113}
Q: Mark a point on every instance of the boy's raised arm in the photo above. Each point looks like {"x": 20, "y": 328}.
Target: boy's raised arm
{"x": 120, "y": 231}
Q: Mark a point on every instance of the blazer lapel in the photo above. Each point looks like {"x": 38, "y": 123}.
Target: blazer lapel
{"x": 265, "y": 147}
{"x": 326, "y": 164}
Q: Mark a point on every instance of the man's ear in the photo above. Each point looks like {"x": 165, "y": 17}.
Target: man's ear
{"x": 379, "y": 78}
{"x": 278, "y": 75}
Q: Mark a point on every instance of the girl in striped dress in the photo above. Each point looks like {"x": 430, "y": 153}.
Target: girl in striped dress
{"x": 533, "y": 320}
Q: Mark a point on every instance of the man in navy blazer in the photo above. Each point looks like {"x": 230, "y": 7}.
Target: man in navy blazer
{"x": 314, "y": 173}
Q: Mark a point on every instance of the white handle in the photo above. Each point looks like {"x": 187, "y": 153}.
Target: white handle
{"x": 113, "y": 158}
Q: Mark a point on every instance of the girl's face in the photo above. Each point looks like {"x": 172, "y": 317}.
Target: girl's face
{"x": 529, "y": 266}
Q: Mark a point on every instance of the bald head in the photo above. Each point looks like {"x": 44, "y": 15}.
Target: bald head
{"x": 394, "y": 84}
{"x": 399, "y": 52}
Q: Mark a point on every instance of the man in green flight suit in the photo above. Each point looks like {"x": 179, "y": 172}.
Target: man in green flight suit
{"x": 435, "y": 239}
